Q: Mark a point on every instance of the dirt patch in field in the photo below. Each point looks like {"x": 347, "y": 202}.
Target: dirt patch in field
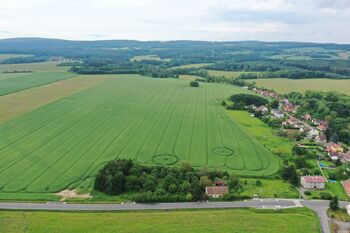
{"x": 64, "y": 194}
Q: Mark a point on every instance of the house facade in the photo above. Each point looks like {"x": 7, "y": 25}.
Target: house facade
{"x": 313, "y": 182}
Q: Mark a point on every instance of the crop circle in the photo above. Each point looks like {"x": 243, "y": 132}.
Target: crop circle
{"x": 165, "y": 159}
{"x": 223, "y": 151}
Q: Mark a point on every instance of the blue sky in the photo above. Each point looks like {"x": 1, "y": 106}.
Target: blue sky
{"x": 214, "y": 20}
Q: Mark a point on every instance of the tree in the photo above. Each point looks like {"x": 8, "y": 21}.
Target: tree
{"x": 132, "y": 183}
{"x": 204, "y": 181}
{"x": 194, "y": 84}
{"x": 186, "y": 166}
{"x": 334, "y": 203}
{"x": 274, "y": 104}
{"x": 290, "y": 174}
{"x": 196, "y": 189}
{"x": 258, "y": 183}
{"x": 150, "y": 186}
{"x": 223, "y": 103}
{"x": 338, "y": 162}
{"x": 172, "y": 188}
{"x": 300, "y": 162}
{"x": 186, "y": 187}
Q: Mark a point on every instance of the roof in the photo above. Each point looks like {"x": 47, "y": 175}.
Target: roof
{"x": 314, "y": 179}
{"x": 346, "y": 185}
{"x": 216, "y": 190}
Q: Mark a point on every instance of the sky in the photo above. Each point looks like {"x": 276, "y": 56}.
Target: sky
{"x": 212, "y": 20}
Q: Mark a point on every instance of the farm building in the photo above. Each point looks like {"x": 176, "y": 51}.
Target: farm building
{"x": 216, "y": 191}
{"x": 313, "y": 182}
{"x": 219, "y": 183}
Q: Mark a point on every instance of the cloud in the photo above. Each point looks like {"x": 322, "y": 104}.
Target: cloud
{"x": 301, "y": 20}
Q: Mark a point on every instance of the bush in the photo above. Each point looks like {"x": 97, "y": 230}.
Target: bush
{"x": 194, "y": 84}
{"x": 326, "y": 196}
{"x": 233, "y": 197}
{"x": 308, "y": 193}
{"x": 150, "y": 197}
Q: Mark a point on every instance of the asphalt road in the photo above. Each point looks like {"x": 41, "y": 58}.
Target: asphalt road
{"x": 319, "y": 206}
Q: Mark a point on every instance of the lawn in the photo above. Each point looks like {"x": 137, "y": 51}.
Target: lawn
{"x": 335, "y": 189}
{"x": 268, "y": 188}
{"x": 233, "y": 220}
{"x": 282, "y": 85}
{"x": 34, "y": 67}
{"x": 263, "y": 133}
{"x": 62, "y": 144}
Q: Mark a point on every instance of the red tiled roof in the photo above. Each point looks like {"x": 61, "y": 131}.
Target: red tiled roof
{"x": 216, "y": 190}
{"x": 314, "y": 179}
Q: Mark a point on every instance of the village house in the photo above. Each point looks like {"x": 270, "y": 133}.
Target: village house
{"x": 321, "y": 139}
{"x": 307, "y": 117}
{"x": 263, "y": 109}
{"x": 318, "y": 122}
{"x": 322, "y": 127}
{"x": 290, "y": 108}
{"x": 345, "y": 158}
{"x": 313, "y": 133}
{"x": 313, "y": 182}
{"x": 333, "y": 147}
{"x": 277, "y": 113}
{"x": 305, "y": 129}
{"x": 216, "y": 191}
{"x": 293, "y": 123}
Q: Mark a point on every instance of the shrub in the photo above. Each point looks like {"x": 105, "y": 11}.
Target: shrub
{"x": 194, "y": 84}
{"x": 308, "y": 193}
{"x": 325, "y": 196}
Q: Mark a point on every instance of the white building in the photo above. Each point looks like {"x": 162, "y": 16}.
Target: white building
{"x": 277, "y": 113}
{"x": 313, "y": 182}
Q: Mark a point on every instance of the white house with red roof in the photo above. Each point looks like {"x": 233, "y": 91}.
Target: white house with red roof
{"x": 313, "y": 182}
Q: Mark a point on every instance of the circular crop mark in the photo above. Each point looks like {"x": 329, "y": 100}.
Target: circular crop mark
{"x": 165, "y": 159}
{"x": 223, "y": 151}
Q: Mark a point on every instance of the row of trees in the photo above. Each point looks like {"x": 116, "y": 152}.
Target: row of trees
{"x": 159, "y": 183}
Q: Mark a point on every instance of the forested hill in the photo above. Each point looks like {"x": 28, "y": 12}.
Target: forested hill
{"x": 293, "y": 60}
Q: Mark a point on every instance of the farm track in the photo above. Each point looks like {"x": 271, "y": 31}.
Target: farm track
{"x": 63, "y": 144}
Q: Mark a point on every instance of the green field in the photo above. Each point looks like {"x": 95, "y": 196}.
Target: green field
{"x": 21, "y": 82}
{"x": 7, "y": 56}
{"x": 194, "y": 65}
{"x": 227, "y": 74}
{"x": 234, "y": 221}
{"x": 153, "y": 121}
{"x": 283, "y": 85}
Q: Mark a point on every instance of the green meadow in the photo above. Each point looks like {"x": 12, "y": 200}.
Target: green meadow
{"x": 234, "y": 221}
{"x": 152, "y": 121}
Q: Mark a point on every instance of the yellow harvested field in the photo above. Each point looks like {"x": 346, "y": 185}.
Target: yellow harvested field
{"x": 18, "y": 103}
{"x": 282, "y": 85}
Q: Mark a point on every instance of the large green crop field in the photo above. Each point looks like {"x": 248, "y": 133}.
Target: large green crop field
{"x": 153, "y": 121}
{"x": 298, "y": 220}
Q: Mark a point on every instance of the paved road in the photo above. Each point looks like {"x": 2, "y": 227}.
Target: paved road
{"x": 319, "y": 206}
{"x": 157, "y": 206}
